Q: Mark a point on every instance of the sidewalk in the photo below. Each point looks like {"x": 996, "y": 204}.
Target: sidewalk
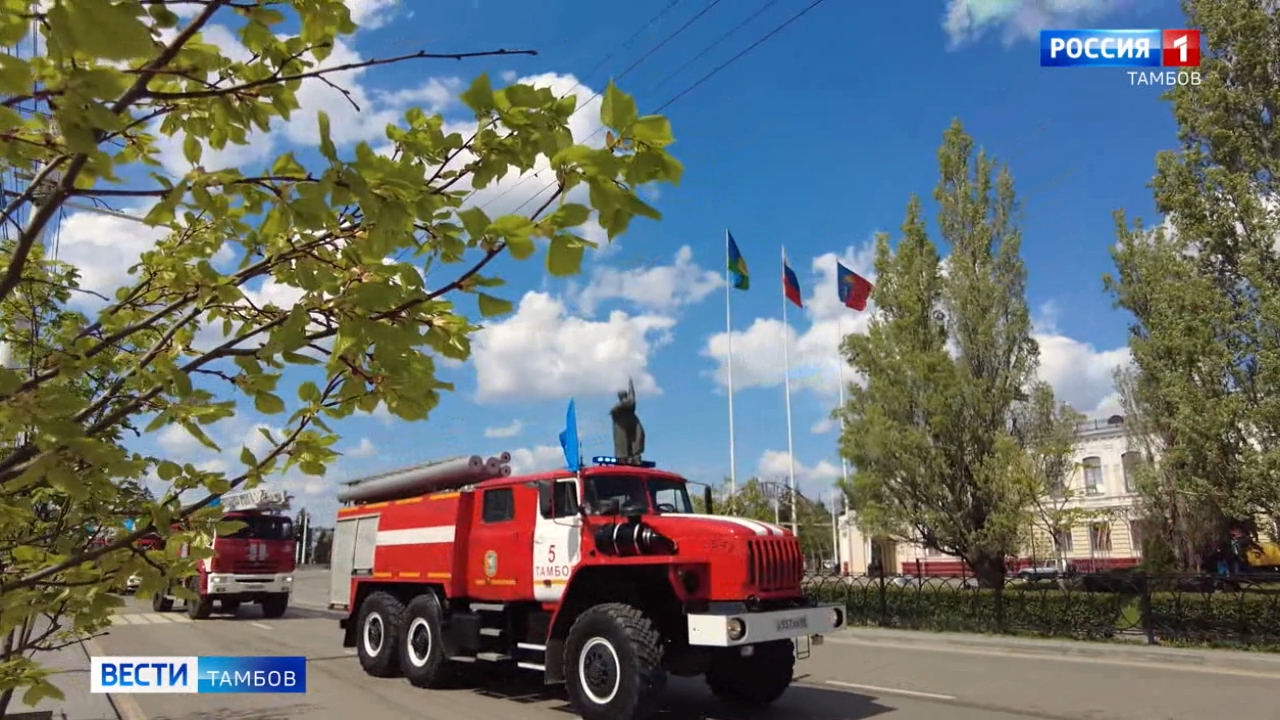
{"x": 70, "y": 666}
{"x": 1235, "y": 660}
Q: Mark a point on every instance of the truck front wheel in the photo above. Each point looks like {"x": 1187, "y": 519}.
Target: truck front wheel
{"x": 274, "y": 606}
{"x": 161, "y": 602}
{"x": 378, "y": 634}
{"x": 613, "y": 664}
{"x": 756, "y": 680}
{"x": 200, "y": 608}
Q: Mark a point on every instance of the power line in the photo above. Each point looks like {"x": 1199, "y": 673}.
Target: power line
{"x": 760, "y": 11}
{"x": 813, "y": 6}
{"x": 697, "y": 16}
{"x": 767, "y": 36}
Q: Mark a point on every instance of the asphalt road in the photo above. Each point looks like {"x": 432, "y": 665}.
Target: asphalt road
{"x": 844, "y": 679}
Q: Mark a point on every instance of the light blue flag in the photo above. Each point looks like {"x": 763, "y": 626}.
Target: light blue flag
{"x": 569, "y": 439}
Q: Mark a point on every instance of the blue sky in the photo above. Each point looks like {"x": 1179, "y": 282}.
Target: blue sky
{"x": 814, "y": 140}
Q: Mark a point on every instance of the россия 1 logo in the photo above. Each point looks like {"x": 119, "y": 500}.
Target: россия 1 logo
{"x": 1127, "y": 49}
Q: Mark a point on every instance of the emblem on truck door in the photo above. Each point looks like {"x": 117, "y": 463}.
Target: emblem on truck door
{"x": 490, "y": 563}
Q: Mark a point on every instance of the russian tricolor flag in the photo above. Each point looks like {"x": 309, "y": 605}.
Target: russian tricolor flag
{"x": 790, "y": 285}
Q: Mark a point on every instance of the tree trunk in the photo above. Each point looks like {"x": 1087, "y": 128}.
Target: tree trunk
{"x": 6, "y": 697}
{"x": 988, "y": 569}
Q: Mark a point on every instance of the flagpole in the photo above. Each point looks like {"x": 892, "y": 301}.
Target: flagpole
{"x": 844, "y": 464}
{"x": 728, "y": 330}
{"x": 786, "y": 362}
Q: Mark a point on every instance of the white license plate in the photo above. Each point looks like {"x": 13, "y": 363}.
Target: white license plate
{"x": 793, "y": 623}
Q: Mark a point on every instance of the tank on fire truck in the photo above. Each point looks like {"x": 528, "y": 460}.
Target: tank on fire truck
{"x": 603, "y": 579}
{"x": 253, "y": 564}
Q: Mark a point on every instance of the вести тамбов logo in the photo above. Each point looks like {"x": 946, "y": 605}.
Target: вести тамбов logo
{"x": 1150, "y": 57}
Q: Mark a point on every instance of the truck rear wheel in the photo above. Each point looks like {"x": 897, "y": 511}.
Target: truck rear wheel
{"x": 756, "y": 680}
{"x": 274, "y": 606}
{"x": 160, "y": 602}
{"x": 378, "y": 635}
{"x": 613, "y": 664}
{"x": 422, "y": 653}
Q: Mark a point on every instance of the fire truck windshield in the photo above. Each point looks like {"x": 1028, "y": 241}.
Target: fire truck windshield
{"x": 658, "y": 495}
{"x": 262, "y": 527}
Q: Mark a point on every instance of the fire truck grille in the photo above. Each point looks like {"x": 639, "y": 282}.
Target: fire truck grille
{"x": 251, "y": 567}
{"x": 774, "y": 564}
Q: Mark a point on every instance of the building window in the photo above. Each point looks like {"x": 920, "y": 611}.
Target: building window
{"x": 1092, "y": 475}
{"x": 1062, "y": 541}
{"x": 1135, "y": 536}
{"x": 1130, "y": 460}
{"x": 1100, "y": 537}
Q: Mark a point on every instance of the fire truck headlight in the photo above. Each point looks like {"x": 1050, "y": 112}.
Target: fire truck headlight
{"x": 737, "y": 629}
{"x": 288, "y": 578}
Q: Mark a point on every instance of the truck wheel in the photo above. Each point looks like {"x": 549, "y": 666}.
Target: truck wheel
{"x": 422, "y": 654}
{"x": 754, "y": 681}
{"x": 200, "y": 608}
{"x": 160, "y": 602}
{"x": 378, "y": 635}
{"x": 274, "y": 606}
{"x": 613, "y": 664}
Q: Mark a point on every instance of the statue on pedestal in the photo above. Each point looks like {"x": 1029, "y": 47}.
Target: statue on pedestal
{"x": 628, "y": 432}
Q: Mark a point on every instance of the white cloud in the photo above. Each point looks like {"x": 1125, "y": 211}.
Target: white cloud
{"x": 775, "y": 466}
{"x": 372, "y": 14}
{"x": 175, "y": 440}
{"x": 1080, "y": 374}
{"x": 967, "y": 20}
{"x": 758, "y": 359}
{"x": 536, "y": 459}
{"x": 543, "y": 352}
{"x": 364, "y": 449}
{"x": 104, "y": 247}
{"x": 505, "y": 431}
{"x": 661, "y": 288}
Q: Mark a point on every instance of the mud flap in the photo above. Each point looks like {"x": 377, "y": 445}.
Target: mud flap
{"x": 802, "y": 647}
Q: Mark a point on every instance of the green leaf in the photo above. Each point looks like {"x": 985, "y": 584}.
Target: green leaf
{"x": 475, "y": 222}
{"x": 268, "y": 404}
{"x": 618, "y": 109}
{"x": 509, "y": 226}
{"x": 247, "y": 457}
{"x": 491, "y": 306}
{"x": 105, "y": 30}
{"x": 569, "y": 215}
{"x": 653, "y": 130}
{"x": 479, "y": 97}
{"x": 564, "y": 257}
{"x": 327, "y": 148}
{"x": 191, "y": 149}
{"x": 521, "y": 248}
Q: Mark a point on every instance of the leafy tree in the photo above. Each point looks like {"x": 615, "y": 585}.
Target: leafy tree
{"x": 930, "y": 432}
{"x": 1046, "y": 430}
{"x": 356, "y": 234}
{"x": 1204, "y": 289}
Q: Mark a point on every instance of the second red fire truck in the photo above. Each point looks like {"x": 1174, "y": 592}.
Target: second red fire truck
{"x": 254, "y": 564}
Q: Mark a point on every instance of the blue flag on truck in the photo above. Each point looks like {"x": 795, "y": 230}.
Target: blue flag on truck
{"x": 569, "y": 439}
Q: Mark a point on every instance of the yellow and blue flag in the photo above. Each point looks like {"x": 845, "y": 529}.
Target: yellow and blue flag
{"x": 737, "y": 265}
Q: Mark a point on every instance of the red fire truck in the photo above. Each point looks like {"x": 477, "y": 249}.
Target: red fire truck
{"x": 603, "y": 579}
{"x": 254, "y": 564}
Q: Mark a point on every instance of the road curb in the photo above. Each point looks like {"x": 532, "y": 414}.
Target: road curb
{"x": 125, "y": 706}
{"x": 1255, "y": 662}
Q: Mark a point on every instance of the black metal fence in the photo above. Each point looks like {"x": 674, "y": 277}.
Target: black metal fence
{"x": 1239, "y": 612}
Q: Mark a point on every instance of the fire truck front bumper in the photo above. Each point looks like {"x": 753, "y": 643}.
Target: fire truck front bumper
{"x": 249, "y": 586}
{"x": 750, "y": 628}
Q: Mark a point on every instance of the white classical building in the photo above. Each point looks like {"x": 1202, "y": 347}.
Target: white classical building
{"x": 1101, "y": 493}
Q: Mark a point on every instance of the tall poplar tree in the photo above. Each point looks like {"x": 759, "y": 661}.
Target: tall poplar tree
{"x": 947, "y": 359}
{"x": 1204, "y": 289}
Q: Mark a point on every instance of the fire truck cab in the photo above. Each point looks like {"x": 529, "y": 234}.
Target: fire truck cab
{"x": 254, "y": 564}
{"x": 604, "y": 579}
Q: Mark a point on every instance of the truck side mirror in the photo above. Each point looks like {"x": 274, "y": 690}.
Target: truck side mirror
{"x": 547, "y": 498}
{"x": 707, "y": 500}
